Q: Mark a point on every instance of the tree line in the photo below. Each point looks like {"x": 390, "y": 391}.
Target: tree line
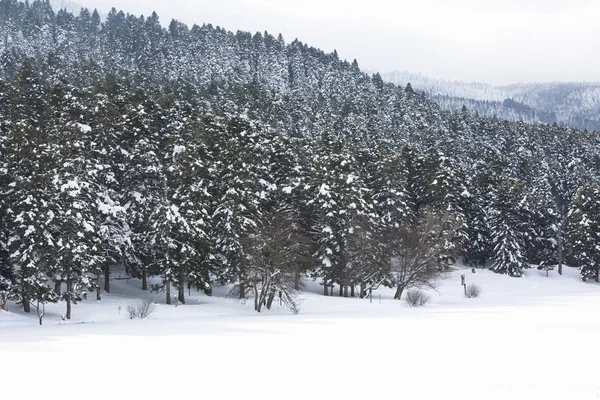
{"x": 211, "y": 173}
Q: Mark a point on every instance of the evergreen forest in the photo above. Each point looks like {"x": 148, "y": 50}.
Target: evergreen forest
{"x": 190, "y": 157}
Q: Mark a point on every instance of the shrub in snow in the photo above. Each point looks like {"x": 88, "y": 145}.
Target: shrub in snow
{"x": 416, "y": 298}
{"x": 472, "y": 291}
{"x": 141, "y": 309}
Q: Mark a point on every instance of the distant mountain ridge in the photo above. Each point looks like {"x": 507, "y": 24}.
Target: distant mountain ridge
{"x": 571, "y": 104}
{"x": 68, "y": 5}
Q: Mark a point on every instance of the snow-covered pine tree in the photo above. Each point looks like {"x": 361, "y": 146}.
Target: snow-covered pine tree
{"x": 563, "y": 167}
{"x": 286, "y": 163}
{"x": 108, "y": 154}
{"x": 6, "y": 279}
{"x": 28, "y": 164}
{"x": 337, "y": 196}
{"x": 418, "y": 176}
{"x": 144, "y": 181}
{"x": 507, "y": 231}
{"x": 584, "y": 232}
{"x": 242, "y": 189}
{"x": 386, "y": 177}
{"x": 6, "y": 272}
{"x": 181, "y": 220}
{"x": 477, "y": 246}
{"x": 450, "y": 195}
{"x": 544, "y": 221}
{"x": 79, "y": 242}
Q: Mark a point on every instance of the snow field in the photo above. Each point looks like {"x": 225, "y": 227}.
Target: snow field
{"x": 527, "y": 338}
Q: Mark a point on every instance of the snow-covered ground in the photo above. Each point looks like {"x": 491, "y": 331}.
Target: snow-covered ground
{"x": 535, "y": 337}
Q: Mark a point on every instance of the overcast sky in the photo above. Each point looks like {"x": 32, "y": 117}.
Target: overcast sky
{"x": 499, "y": 42}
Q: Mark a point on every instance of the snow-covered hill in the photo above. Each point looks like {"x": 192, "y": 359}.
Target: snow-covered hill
{"x": 574, "y": 104}
{"x": 440, "y": 87}
{"x": 71, "y": 6}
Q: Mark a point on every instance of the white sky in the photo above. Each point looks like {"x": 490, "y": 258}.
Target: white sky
{"x": 494, "y": 41}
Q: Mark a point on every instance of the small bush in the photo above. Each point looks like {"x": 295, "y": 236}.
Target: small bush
{"x": 416, "y": 298}
{"x": 472, "y": 291}
{"x": 141, "y": 309}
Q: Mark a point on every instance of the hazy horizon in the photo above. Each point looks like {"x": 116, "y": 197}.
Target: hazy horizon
{"x": 472, "y": 41}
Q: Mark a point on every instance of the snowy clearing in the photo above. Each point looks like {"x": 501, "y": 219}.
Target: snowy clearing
{"x": 524, "y": 338}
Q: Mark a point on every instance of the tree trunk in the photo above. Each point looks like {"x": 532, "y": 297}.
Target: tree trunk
{"x": 560, "y": 255}
{"x": 325, "y": 291}
{"x": 341, "y": 292}
{"x": 26, "y": 305}
{"x": 597, "y": 274}
{"x": 181, "y": 287}
{"x": 144, "y": 279}
{"x": 362, "y": 290}
{"x": 168, "y": 291}
{"x": 345, "y": 290}
{"x": 256, "y": 300}
{"x": 98, "y": 288}
{"x": 262, "y": 297}
{"x": 242, "y": 289}
{"x": 270, "y": 299}
{"x": 399, "y": 291}
{"x": 57, "y": 287}
{"x": 41, "y": 312}
{"x": 561, "y": 233}
{"x": 297, "y": 280}
{"x": 352, "y": 291}
{"x": 4, "y": 301}
{"x": 68, "y": 298}
{"x": 107, "y": 279}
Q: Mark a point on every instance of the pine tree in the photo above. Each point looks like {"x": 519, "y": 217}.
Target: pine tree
{"x": 584, "y": 232}
{"x": 337, "y": 197}
{"x": 242, "y": 189}
{"x": 144, "y": 181}
{"x": 180, "y": 222}
{"x": 78, "y": 237}
{"x": 28, "y": 162}
{"x": 507, "y": 232}
{"x": 450, "y": 195}
{"x": 6, "y": 272}
{"x": 108, "y": 155}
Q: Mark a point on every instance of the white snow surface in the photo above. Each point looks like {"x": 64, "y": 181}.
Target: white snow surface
{"x": 534, "y": 337}
{"x": 178, "y": 149}
{"x": 84, "y": 128}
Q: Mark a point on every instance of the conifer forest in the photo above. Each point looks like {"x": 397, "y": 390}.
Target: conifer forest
{"x": 194, "y": 156}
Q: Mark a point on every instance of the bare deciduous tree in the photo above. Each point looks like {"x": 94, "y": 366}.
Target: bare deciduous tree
{"x": 368, "y": 260}
{"x": 414, "y": 252}
{"x": 274, "y": 250}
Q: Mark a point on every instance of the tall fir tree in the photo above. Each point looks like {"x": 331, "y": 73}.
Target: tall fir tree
{"x": 584, "y": 232}
{"x": 507, "y": 232}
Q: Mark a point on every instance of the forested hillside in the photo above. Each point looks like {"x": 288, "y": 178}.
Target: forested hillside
{"x": 575, "y": 105}
{"x": 203, "y": 156}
